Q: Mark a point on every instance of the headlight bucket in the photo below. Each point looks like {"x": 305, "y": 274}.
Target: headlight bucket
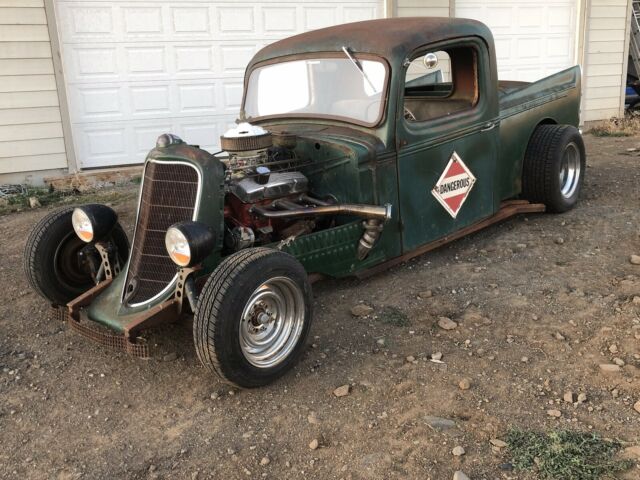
{"x": 189, "y": 243}
{"x": 93, "y": 222}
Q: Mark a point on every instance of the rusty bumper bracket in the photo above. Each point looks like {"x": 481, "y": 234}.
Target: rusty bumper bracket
{"x": 77, "y": 319}
{"x": 86, "y": 328}
{"x": 100, "y": 335}
{"x": 128, "y": 341}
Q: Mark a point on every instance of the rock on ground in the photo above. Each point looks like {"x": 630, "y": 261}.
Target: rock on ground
{"x": 446, "y": 323}
{"x": 342, "y": 391}
{"x": 632, "y": 452}
{"x": 609, "y": 368}
{"x": 438, "y": 423}
{"x": 465, "y": 384}
{"x": 361, "y": 310}
{"x": 496, "y": 442}
{"x": 458, "y": 451}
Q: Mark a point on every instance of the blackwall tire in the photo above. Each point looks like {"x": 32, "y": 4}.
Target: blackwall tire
{"x": 253, "y": 317}
{"x": 554, "y": 167}
{"x": 50, "y": 262}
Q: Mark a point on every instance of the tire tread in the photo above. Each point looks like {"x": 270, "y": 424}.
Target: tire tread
{"x": 207, "y": 316}
{"x": 31, "y": 267}
{"x": 541, "y": 162}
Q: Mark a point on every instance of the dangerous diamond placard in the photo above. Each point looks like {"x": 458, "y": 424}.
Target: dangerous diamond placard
{"x": 454, "y": 185}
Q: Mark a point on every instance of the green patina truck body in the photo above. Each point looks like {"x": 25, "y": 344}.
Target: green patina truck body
{"x": 358, "y": 146}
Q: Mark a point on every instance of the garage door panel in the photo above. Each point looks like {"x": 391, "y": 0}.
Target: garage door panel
{"x": 234, "y": 58}
{"x": 100, "y": 102}
{"x": 234, "y": 21}
{"x": 191, "y": 21}
{"x": 279, "y": 20}
{"x": 533, "y": 39}
{"x": 358, "y": 14}
{"x": 120, "y": 143}
{"x": 146, "y": 62}
{"x": 203, "y": 132}
{"x": 85, "y": 22}
{"x": 232, "y": 95}
{"x": 135, "y": 69}
{"x": 147, "y": 134}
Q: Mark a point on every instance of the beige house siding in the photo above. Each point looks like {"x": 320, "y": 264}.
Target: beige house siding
{"x": 422, "y": 8}
{"x": 31, "y": 136}
{"x": 605, "y": 59}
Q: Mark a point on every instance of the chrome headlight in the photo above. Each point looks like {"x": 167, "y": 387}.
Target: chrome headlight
{"x": 93, "y": 222}
{"x": 188, "y": 243}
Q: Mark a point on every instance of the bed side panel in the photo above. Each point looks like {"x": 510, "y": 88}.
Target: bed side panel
{"x": 554, "y": 99}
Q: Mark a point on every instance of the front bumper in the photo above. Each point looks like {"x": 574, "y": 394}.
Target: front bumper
{"x": 129, "y": 341}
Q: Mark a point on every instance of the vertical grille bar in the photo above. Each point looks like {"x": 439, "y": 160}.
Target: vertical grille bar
{"x": 169, "y": 195}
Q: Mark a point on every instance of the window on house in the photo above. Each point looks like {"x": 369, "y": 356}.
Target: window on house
{"x": 440, "y": 83}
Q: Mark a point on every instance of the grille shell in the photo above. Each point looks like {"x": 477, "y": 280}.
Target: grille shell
{"x": 170, "y": 194}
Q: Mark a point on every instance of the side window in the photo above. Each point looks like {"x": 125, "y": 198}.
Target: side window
{"x": 432, "y": 71}
{"x": 440, "y": 83}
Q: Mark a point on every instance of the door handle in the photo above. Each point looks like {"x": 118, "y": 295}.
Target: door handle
{"x": 488, "y": 126}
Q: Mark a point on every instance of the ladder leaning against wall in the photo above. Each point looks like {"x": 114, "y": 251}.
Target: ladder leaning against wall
{"x": 634, "y": 41}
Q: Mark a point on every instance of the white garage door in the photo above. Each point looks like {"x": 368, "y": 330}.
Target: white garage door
{"x": 534, "y": 38}
{"x": 135, "y": 69}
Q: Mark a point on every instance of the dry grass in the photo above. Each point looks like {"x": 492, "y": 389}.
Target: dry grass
{"x": 566, "y": 455}
{"x": 618, "y": 127}
{"x": 51, "y": 197}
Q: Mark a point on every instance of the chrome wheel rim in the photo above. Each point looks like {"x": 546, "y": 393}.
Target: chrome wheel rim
{"x": 569, "y": 170}
{"x": 272, "y": 321}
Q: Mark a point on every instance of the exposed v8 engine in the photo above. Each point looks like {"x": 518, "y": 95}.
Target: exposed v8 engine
{"x": 268, "y": 197}
{"x": 259, "y": 172}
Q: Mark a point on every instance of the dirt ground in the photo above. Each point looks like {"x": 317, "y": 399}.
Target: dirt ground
{"x": 540, "y": 302}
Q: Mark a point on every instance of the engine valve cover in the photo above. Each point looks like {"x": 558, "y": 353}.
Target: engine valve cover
{"x": 281, "y": 184}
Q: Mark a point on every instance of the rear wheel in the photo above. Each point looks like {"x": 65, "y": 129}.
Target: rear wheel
{"x": 554, "y": 167}
{"x": 56, "y": 261}
{"x": 253, "y": 317}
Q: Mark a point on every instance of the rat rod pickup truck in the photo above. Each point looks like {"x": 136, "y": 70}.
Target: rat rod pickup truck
{"x": 358, "y": 147}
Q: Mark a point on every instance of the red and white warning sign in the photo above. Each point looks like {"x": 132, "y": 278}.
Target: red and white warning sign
{"x": 454, "y": 185}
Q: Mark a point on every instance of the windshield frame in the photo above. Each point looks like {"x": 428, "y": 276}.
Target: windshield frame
{"x": 319, "y": 55}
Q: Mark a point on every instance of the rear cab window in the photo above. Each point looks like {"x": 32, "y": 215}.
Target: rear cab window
{"x": 440, "y": 83}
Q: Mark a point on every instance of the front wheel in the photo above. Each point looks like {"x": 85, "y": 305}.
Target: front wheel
{"x": 253, "y": 317}
{"x": 57, "y": 262}
{"x": 554, "y": 167}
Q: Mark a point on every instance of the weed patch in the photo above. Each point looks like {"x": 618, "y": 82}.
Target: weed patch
{"x": 565, "y": 455}
{"x": 393, "y": 316}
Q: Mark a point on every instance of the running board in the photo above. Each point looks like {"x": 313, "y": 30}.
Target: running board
{"x": 507, "y": 209}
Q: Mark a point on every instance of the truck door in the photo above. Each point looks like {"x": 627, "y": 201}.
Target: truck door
{"x": 447, "y": 135}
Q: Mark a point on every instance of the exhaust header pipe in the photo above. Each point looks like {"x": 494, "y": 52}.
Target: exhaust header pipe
{"x": 374, "y": 216}
{"x": 358, "y": 210}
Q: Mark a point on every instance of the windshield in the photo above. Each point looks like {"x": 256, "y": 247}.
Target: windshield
{"x": 326, "y": 87}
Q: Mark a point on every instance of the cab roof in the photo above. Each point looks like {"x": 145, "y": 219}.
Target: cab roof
{"x": 391, "y": 38}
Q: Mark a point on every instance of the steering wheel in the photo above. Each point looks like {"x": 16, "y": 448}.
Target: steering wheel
{"x": 408, "y": 115}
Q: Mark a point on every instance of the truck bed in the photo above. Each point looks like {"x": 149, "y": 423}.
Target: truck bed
{"x": 513, "y": 94}
{"x": 523, "y": 106}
